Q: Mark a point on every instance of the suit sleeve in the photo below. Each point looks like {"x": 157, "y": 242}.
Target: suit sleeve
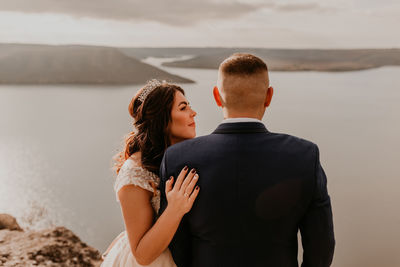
{"x": 180, "y": 245}
{"x": 316, "y": 226}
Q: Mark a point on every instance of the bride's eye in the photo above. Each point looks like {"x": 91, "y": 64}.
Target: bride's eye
{"x": 183, "y": 108}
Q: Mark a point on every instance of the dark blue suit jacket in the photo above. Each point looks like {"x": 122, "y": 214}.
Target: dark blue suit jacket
{"x": 257, "y": 189}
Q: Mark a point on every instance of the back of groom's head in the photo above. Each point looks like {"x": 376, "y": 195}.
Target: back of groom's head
{"x": 242, "y": 64}
{"x": 243, "y": 85}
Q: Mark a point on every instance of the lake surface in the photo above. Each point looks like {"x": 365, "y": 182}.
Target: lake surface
{"x": 56, "y": 144}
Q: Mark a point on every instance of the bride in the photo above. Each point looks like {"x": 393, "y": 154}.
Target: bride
{"x": 162, "y": 118}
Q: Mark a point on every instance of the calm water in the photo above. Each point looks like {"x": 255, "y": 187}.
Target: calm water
{"x": 56, "y": 144}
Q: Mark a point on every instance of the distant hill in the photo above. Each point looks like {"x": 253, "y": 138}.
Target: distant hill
{"x": 279, "y": 59}
{"x": 76, "y": 64}
{"x": 167, "y": 52}
{"x": 70, "y": 64}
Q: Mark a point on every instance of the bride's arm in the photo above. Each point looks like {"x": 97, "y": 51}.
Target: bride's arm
{"x": 148, "y": 241}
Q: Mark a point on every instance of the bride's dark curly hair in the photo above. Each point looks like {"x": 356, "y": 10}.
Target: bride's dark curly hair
{"x": 151, "y": 120}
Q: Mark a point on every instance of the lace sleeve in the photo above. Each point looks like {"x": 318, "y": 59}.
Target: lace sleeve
{"x": 131, "y": 173}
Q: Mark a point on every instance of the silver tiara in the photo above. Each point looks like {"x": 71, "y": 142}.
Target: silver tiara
{"x": 148, "y": 88}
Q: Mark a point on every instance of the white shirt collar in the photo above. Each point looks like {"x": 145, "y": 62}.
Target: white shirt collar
{"x": 235, "y": 120}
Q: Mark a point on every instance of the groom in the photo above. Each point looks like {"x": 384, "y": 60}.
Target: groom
{"x": 257, "y": 188}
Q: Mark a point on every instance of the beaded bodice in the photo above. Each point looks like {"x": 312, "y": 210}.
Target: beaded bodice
{"x": 132, "y": 173}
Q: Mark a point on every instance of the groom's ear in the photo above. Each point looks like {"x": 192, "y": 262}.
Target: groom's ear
{"x": 217, "y": 96}
{"x": 268, "y": 97}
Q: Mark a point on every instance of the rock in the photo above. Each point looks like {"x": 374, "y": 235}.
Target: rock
{"x": 9, "y": 222}
{"x": 56, "y": 246}
{"x": 39, "y": 258}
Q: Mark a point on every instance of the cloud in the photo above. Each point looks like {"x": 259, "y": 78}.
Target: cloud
{"x": 174, "y": 12}
{"x": 298, "y": 7}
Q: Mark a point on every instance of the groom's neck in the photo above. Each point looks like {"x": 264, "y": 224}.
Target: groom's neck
{"x": 233, "y": 114}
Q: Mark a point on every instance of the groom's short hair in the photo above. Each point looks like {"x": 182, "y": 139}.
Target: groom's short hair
{"x": 242, "y": 64}
{"x": 243, "y": 82}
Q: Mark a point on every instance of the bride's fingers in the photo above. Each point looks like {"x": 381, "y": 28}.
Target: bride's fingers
{"x": 194, "y": 194}
{"x": 187, "y": 180}
{"x": 168, "y": 184}
{"x": 180, "y": 178}
{"x": 192, "y": 184}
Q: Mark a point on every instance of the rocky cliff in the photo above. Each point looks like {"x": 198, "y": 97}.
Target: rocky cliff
{"x": 56, "y": 246}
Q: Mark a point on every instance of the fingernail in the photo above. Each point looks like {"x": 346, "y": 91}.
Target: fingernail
{"x": 170, "y": 178}
{"x": 197, "y": 187}
{"x": 193, "y": 171}
{"x": 196, "y": 176}
{"x": 185, "y": 169}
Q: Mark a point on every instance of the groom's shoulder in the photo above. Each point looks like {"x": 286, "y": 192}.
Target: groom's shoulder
{"x": 283, "y": 140}
{"x": 292, "y": 138}
{"x": 190, "y": 143}
{"x": 291, "y": 141}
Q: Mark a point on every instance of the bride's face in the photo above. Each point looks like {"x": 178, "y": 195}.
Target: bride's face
{"x": 182, "y": 125}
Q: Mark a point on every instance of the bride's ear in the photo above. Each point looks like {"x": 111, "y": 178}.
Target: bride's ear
{"x": 217, "y": 96}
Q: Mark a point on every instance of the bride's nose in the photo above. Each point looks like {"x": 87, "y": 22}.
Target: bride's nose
{"x": 194, "y": 113}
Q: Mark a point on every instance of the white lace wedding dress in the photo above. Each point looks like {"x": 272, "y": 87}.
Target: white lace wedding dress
{"x": 120, "y": 253}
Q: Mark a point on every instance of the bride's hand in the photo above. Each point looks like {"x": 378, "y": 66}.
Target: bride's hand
{"x": 181, "y": 196}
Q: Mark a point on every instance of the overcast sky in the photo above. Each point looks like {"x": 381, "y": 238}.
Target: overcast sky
{"x": 244, "y": 23}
